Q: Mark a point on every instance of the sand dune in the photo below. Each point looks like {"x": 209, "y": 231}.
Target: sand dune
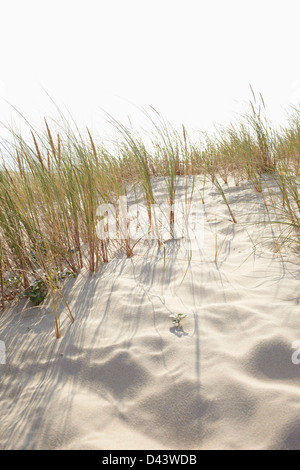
{"x": 123, "y": 377}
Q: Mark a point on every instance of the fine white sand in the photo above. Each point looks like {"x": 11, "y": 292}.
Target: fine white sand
{"x": 123, "y": 377}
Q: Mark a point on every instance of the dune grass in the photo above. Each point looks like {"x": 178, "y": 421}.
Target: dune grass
{"x": 52, "y": 184}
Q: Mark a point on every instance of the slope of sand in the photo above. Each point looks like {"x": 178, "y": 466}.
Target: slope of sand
{"x": 123, "y": 377}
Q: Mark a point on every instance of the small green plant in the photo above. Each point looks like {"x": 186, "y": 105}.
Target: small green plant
{"x": 62, "y": 275}
{"x": 13, "y": 281}
{"x": 177, "y": 317}
{"x": 11, "y": 287}
{"x": 37, "y": 292}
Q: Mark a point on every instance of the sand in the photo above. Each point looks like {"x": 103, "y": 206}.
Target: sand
{"x": 123, "y": 377}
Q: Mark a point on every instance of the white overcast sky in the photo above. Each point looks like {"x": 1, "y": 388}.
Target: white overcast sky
{"x": 192, "y": 60}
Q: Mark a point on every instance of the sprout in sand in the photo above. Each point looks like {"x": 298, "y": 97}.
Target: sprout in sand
{"x": 177, "y": 317}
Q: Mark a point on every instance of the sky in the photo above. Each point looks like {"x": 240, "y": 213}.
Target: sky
{"x": 191, "y": 60}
